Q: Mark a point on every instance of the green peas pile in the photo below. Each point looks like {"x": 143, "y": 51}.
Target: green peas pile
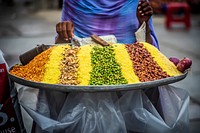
{"x": 105, "y": 69}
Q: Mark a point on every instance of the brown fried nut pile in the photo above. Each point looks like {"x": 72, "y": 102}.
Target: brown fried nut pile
{"x": 143, "y": 64}
{"x": 69, "y": 67}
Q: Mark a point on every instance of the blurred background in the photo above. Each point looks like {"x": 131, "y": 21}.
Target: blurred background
{"x": 26, "y": 23}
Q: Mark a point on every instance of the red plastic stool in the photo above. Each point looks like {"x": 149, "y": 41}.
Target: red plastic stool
{"x": 173, "y": 9}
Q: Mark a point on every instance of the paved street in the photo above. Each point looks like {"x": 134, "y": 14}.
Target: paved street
{"x": 21, "y": 30}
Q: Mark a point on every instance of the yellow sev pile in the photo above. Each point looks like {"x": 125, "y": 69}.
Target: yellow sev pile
{"x": 84, "y": 64}
{"x": 124, "y": 61}
{"x": 52, "y": 67}
{"x": 46, "y": 67}
{"x": 162, "y": 60}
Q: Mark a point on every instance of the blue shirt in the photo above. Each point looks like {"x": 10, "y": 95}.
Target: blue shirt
{"x": 105, "y": 17}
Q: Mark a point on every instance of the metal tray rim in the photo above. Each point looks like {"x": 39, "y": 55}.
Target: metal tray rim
{"x": 97, "y": 88}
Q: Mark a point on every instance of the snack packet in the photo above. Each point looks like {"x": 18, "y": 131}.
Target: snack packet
{"x": 10, "y": 114}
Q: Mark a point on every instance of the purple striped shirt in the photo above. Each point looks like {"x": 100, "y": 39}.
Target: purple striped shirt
{"x": 105, "y": 17}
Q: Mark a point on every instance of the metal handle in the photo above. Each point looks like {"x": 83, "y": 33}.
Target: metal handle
{"x": 29, "y": 55}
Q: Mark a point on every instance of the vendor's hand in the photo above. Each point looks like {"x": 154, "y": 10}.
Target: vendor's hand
{"x": 144, "y": 11}
{"x": 65, "y": 30}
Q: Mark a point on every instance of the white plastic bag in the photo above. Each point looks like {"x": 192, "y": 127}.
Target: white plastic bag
{"x": 89, "y": 40}
{"x": 140, "y": 34}
{"x": 56, "y": 112}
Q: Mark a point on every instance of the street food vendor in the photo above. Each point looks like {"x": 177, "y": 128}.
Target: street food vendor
{"x": 148, "y": 110}
{"x": 120, "y": 18}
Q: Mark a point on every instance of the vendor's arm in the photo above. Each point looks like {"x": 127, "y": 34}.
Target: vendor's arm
{"x": 144, "y": 13}
{"x": 65, "y": 31}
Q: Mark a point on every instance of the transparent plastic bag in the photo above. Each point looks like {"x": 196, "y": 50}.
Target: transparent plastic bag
{"x": 107, "y": 112}
{"x": 170, "y": 115}
{"x": 78, "y": 113}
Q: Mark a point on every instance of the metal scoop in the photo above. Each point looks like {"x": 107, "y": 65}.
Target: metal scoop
{"x": 75, "y": 41}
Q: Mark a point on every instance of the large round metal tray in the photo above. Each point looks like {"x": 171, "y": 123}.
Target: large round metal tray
{"x": 97, "y": 88}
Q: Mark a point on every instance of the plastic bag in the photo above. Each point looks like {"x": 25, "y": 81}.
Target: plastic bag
{"x": 106, "y": 112}
{"x": 171, "y": 114}
{"x": 89, "y": 40}
{"x": 140, "y": 34}
{"x": 10, "y": 113}
{"x": 80, "y": 112}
